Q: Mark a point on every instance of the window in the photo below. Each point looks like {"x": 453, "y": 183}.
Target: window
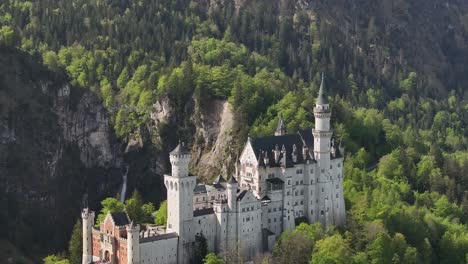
{"x": 269, "y": 210}
{"x": 302, "y": 192}
{"x": 302, "y": 202}
{"x": 269, "y": 220}
{"x": 299, "y": 171}
{"x": 212, "y": 197}
{"x": 295, "y": 193}
{"x": 339, "y": 165}
{"x": 302, "y": 182}
{"x": 203, "y": 198}
{"x": 297, "y": 182}
{"x": 274, "y": 219}
{"x": 321, "y": 212}
{"x": 336, "y": 195}
{"x": 331, "y": 166}
{"x": 312, "y": 181}
{"x": 337, "y": 187}
{"x": 311, "y": 192}
{"x": 274, "y": 209}
{"x": 311, "y": 170}
{"x": 289, "y": 182}
{"x": 322, "y": 189}
{"x": 311, "y": 202}
{"x": 196, "y": 199}
{"x": 287, "y": 193}
{"x": 243, "y": 209}
{"x": 295, "y": 203}
{"x": 312, "y": 211}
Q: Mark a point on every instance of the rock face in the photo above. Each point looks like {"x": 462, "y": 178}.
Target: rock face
{"x": 55, "y": 145}
{"x": 214, "y": 156}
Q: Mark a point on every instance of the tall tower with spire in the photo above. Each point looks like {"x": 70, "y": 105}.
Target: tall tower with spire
{"x": 322, "y": 152}
{"x": 322, "y": 132}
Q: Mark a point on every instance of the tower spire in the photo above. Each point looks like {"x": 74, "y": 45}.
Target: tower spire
{"x": 322, "y": 98}
{"x": 280, "y": 128}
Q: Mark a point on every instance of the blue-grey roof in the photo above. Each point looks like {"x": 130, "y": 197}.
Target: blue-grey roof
{"x": 120, "y": 218}
{"x": 322, "y": 97}
{"x": 266, "y": 145}
{"x": 180, "y": 150}
{"x": 200, "y": 188}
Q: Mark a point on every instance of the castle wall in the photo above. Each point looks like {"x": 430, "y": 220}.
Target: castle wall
{"x": 162, "y": 251}
{"x": 206, "y": 225}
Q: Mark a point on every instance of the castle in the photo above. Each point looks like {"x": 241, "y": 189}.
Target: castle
{"x": 278, "y": 180}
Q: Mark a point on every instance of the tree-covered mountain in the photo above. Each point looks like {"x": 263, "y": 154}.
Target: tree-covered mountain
{"x": 210, "y": 73}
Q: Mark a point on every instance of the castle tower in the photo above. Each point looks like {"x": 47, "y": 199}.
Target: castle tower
{"x": 232, "y": 234}
{"x": 88, "y": 221}
{"x": 280, "y": 128}
{"x": 322, "y": 151}
{"x": 133, "y": 243}
{"x": 322, "y": 133}
{"x": 180, "y": 187}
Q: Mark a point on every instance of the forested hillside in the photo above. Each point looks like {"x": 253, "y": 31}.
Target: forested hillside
{"x": 396, "y": 70}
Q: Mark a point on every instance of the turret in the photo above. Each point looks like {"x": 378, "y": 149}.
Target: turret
{"x": 180, "y": 159}
{"x": 133, "y": 243}
{"x": 280, "y": 128}
{"x": 322, "y": 133}
{"x": 88, "y": 221}
{"x": 232, "y": 187}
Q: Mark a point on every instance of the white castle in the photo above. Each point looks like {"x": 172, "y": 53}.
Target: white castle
{"x": 281, "y": 180}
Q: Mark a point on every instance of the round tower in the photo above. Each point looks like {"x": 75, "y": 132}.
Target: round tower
{"x": 133, "y": 243}
{"x": 322, "y": 133}
{"x": 180, "y": 159}
{"x": 232, "y": 187}
{"x": 88, "y": 221}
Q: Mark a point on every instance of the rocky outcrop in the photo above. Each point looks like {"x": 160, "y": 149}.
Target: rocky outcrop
{"x": 215, "y": 127}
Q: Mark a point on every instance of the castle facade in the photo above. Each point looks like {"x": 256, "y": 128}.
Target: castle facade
{"x": 279, "y": 180}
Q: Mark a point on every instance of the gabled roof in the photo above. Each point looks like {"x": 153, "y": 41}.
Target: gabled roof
{"x": 219, "y": 179}
{"x": 232, "y": 180}
{"x": 120, "y": 218}
{"x": 266, "y": 198}
{"x": 241, "y": 195}
{"x": 180, "y": 150}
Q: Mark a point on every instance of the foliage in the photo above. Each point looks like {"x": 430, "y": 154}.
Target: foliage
{"x": 75, "y": 246}
{"x": 213, "y": 259}
{"x": 109, "y": 205}
{"x": 53, "y": 259}
{"x": 201, "y": 248}
{"x": 161, "y": 214}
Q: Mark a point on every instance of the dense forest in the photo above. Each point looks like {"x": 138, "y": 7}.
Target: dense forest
{"x": 396, "y": 70}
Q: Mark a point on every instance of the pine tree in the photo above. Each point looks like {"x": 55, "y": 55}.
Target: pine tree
{"x": 75, "y": 246}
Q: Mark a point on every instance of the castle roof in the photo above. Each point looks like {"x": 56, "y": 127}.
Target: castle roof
{"x": 120, "y": 218}
{"x": 263, "y": 148}
{"x": 241, "y": 195}
{"x": 200, "y": 188}
{"x": 322, "y": 97}
{"x": 180, "y": 150}
{"x": 219, "y": 179}
{"x": 232, "y": 180}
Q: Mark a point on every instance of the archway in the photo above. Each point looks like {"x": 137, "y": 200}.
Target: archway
{"x": 107, "y": 257}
